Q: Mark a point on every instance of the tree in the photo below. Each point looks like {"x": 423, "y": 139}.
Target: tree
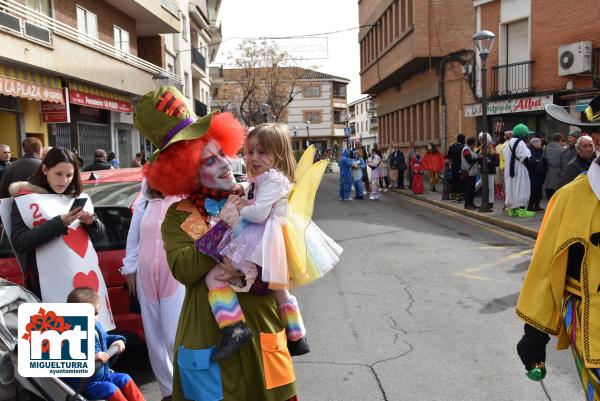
{"x": 261, "y": 83}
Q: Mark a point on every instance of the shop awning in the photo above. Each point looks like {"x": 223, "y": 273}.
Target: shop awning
{"x": 93, "y": 96}
{"x": 30, "y": 85}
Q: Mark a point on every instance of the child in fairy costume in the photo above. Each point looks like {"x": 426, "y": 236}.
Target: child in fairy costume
{"x": 283, "y": 244}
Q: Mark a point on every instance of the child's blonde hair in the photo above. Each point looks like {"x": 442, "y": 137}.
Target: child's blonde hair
{"x": 83, "y": 295}
{"x": 274, "y": 139}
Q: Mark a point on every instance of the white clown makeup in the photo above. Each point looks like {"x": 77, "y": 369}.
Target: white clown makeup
{"x": 215, "y": 167}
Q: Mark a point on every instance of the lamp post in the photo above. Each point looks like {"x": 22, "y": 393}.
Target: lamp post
{"x": 307, "y": 134}
{"x": 484, "y": 41}
{"x": 347, "y": 131}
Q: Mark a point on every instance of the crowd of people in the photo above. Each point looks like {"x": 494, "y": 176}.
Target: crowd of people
{"x": 521, "y": 168}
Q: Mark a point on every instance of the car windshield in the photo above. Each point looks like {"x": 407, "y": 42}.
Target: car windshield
{"x": 113, "y": 193}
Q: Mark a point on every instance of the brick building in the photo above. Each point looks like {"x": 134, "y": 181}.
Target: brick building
{"x": 404, "y": 45}
{"x": 96, "y": 57}
{"x": 417, "y": 57}
{"x": 533, "y": 39}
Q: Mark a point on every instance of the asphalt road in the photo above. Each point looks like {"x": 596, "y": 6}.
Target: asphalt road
{"x": 421, "y": 307}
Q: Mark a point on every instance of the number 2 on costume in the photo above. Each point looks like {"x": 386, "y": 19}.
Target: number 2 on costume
{"x": 37, "y": 215}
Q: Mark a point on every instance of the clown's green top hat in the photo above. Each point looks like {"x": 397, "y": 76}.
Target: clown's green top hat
{"x": 164, "y": 117}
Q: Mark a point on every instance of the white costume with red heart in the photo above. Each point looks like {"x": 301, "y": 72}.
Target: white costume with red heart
{"x": 68, "y": 261}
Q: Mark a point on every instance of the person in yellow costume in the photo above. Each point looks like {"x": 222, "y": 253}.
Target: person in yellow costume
{"x": 561, "y": 292}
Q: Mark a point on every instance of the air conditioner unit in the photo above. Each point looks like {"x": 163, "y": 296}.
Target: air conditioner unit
{"x": 575, "y": 58}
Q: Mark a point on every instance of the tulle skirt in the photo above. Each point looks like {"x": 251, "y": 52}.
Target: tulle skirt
{"x": 265, "y": 246}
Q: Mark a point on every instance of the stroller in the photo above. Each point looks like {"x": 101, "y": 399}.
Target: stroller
{"x": 12, "y": 385}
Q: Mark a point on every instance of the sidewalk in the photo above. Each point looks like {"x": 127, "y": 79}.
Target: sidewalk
{"x": 524, "y": 226}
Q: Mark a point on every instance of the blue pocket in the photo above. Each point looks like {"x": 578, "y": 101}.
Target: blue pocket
{"x": 200, "y": 376}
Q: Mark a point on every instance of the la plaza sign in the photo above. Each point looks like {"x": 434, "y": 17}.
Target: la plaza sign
{"x": 508, "y": 106}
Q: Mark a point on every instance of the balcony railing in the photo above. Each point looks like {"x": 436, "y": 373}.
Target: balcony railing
{"x": 40, "y": 28}
{"x": 512, "y": 79}
{"x": 215, "y": 29}
{"x": 198, "y": 59}
{"x": 171, "y": 6}
{"x": 215, "y": 72}
{"x": 200, "y": 108}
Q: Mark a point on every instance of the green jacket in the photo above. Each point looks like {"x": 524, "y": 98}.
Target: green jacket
{"x": 242, "y": 373}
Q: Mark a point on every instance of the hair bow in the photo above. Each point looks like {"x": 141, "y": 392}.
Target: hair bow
{"x": 213, "y": 207}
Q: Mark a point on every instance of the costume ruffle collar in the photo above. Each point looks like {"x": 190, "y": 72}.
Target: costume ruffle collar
{"x": 594, "y": 177}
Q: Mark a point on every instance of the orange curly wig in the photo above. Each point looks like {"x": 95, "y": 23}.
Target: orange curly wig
{"x": 175, "y": 170}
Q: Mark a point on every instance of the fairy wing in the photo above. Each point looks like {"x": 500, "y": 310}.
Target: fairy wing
{"x": 300, "y": 210}
{"x": 306, "y": 161}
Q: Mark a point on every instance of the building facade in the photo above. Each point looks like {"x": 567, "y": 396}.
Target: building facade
{"x": 363, "y": 121}
{"x": 545, "y": 52}
{"x": 415, "y": 58}
{"x": 317, "y": 114}
{"x": 71, "y": 70}
{"x": 422, "y": 66}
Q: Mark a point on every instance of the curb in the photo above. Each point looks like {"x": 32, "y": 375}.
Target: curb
{"x": 507, "y": 225}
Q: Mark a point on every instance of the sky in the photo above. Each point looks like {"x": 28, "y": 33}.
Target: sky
{"x": 333, "y": 53}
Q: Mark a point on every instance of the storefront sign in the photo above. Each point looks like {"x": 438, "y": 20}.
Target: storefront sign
{"x": 99, "y": 102}
{"x": 56, "y": 112}
{"x": 508, "y": 106}
{"x": 30, "y": 90}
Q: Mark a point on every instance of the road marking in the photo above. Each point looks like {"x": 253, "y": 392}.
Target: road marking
{"x": 488, "y": 227}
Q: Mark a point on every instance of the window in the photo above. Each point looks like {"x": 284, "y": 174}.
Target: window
{"x": 186, "y": 87}
{"x": 184, "y": 28}
{"x": 312, "y": 91}
{"x": 121, "y": 39}
{"x": 87, "y": 23}
{"x": 314, "y": 116}
{"x": 339, "y": 90}
{"x": 171, "y": 63}
{"x": 41, "y": 6}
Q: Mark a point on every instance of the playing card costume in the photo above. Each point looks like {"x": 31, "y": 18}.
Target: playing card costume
{"x": 55, "y": 259}
{"x": 560, "y": 294}
{"x": 262, "y": 369}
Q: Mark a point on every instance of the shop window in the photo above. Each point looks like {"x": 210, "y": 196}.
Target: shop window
{"x": 121, "y": 39}
{"x": 87, "y": 25}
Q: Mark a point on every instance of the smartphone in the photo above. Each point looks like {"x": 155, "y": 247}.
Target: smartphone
{"x": 78, "y": 202}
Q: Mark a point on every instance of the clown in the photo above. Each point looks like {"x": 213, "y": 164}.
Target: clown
{"x": 560, "y": 293}
{"x": 516, "y": 178}
{"x": 193, "y": 158}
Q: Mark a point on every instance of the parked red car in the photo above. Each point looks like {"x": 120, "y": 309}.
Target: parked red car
{"x": 113, "y": 193}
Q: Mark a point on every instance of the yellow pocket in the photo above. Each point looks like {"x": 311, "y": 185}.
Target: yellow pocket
{"x": 277, "y": 362}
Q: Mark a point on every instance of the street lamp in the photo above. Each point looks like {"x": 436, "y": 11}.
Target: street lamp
{"x": 348, "y": 116}
{"x": 484, "y": 41}
{"x": 307, "y": 134}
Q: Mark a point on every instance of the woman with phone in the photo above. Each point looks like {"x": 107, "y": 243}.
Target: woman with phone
{"x": 48, "y": 210}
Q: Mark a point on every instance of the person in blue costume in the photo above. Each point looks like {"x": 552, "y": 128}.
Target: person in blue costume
{"x": 357, "y": 175}
{"x": 345, "y": 163}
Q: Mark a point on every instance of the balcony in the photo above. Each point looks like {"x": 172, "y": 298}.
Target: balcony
{"x": 200, "y": 108}
{"x": 151, "y": 16}
{"x": 216, "y": 37}
{"x": 198, "y": 59}
{"x": 512, "y": 79}
{"x": 96, "y": 60}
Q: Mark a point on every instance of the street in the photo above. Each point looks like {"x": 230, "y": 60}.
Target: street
{"x": 421, "y": 307}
